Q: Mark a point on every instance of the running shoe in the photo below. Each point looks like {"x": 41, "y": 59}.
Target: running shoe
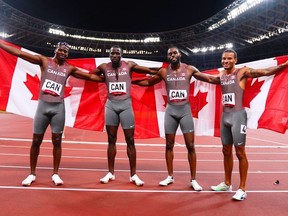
{"x": 222, "y": 187}
{"x": 196, "y": 186}
{"x": 240, "y": 195}
{"x": 109, "y": 176}
{"x": 167, "y": 181}
{"x": 28, "y": 181}
{"x": 136, "y": 180}
{"x": 57, "y": 180}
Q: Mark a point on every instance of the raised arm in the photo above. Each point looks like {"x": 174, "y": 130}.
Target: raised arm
{"x": 253, "y": 73}
{"x": 34, "y": 59}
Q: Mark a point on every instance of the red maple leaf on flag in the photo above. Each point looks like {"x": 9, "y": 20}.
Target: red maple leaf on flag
{"x": 33, "y": 84}
{"x": 251, "y": 91}
{"x": 197, "y": 102}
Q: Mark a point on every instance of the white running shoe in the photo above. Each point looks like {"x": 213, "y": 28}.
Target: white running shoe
{"x": 240, "y": 195}
{"x": 109, "y": 176}
{"x": 222, "y": 187}
{"x": 136, "y": 180}
{"x": 57, "y": 180}
{"x": 167, "y": 181}
{"x": 196, "y": 186}
{"x": 28, "y": 181}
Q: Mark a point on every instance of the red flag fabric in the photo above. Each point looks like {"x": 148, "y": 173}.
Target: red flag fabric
{"x": 275, "y": 115}
{"x": 265, "y": 98}
{"x": 7, "y": 67}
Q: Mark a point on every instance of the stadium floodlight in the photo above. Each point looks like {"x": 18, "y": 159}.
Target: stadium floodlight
{"x": 5, "y": 35}
{"x": 145, "y": 40}
{"x": 246, "y": 5}
{"x": 267, "y": 35}
{"x": 151, "y": 40}
{"x": 242, "y": 8}
{"x": 211, "y": 49}
{"x": 56, "y": 32}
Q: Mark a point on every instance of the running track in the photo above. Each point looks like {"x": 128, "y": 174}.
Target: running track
{"x": 84, "y": 163}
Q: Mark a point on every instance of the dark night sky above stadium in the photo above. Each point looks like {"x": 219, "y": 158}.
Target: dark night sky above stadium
{"x": 122, "y": 15}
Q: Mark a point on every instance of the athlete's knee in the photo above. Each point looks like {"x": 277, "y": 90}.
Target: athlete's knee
{"x": 37, "y": 140}
{"x": 57, "y": 139}
{"x": 227, "y": 150}
{"x": 112, "y": 135}
{"x": 112, "y": 139}
{"x": 191, "y": 148}
{"x": 169, "y": 145}
{"x": 130, "y": 141}
{"x": 240, "y": 153}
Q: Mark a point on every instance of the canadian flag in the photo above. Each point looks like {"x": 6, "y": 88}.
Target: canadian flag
{"x": 265, "y": 99}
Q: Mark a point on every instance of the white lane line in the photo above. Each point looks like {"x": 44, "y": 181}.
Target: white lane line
{"x": 132, "y": 191}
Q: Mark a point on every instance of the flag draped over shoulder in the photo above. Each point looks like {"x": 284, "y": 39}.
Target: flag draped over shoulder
{"x": 265, "y": 98}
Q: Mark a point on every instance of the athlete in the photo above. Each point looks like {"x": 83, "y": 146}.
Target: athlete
{"x": 234, "y": 117}
{"x": 118, "y": 109}
{"x": 178, "y": 112}
{"x": 51, "y": 107}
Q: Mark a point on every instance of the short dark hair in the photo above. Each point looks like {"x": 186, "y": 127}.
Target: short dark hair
{"x": 173, "y": 46}
{"x": 63, "y": 44}
{"x": 231, "y": 51}
{"x": 117, "y": 47}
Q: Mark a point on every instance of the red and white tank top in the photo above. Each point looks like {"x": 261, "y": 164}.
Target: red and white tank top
{"x": 118, "y": 81}
{"x": 53, "y": 82}
{"x": 177, "y": 85}
{"x": 232, "y": 93}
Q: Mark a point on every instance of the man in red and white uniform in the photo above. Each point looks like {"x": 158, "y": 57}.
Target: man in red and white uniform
{"x": 118, "y": 109}
{"x": 51, "y": 107}
{"x": 177, "y": 78}
{"x": 234, "y": 117}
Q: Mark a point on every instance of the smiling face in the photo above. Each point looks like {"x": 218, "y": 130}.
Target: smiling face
{"x": 228, "y": 60}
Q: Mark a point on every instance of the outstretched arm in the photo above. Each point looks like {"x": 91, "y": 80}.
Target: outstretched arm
{"x": 149, "y": 81}
{"x": 207, "y": 78}
{"x": 253, "y": 73}
{"x": 142, "y": 69}
{"x": 204, "y": 77}
{"x": 34, "y": 59}
{"x": 87, "y": 76}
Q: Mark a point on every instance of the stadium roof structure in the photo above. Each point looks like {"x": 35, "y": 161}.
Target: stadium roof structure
{"x": 256, "y": 29}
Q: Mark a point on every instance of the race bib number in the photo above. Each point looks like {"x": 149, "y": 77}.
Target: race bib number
{"x": 228, "y": 99}
{"x": 243, "y": 129}
{"x": 52, "y": 88}
{"x": 117, "y": 88}
{"x": 177, "y": 95}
